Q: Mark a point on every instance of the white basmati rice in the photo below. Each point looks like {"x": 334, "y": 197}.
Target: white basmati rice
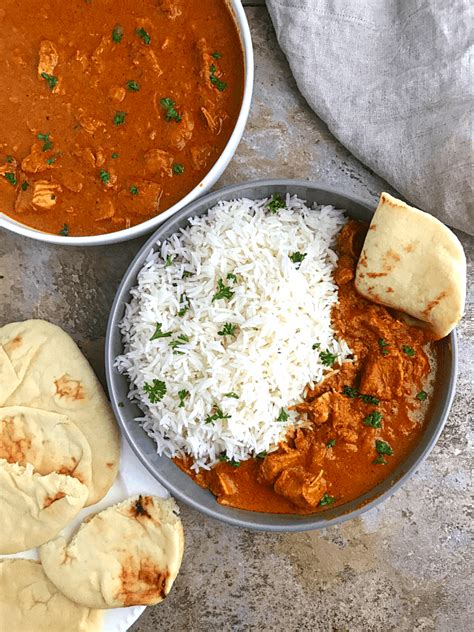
{"x": 281, "y": 310}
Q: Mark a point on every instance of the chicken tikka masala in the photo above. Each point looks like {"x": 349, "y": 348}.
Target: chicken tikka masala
{"x": 113, "y": 111}
{"x": 358, "y": 424}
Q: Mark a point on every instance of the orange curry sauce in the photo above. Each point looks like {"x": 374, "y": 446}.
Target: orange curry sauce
{"x": 112, "y": 111}
{"x": 361, "y": 421}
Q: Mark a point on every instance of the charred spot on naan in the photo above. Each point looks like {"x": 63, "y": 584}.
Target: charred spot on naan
{"x": 49, "y": 500}
{"x": 142, "y": 584}
{"x": 13, "y": 449}
{"x": 139, "y": 508}
{"x": 69, "y": 388}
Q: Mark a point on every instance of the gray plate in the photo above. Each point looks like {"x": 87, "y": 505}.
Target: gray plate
{"x": 181, "y": 485}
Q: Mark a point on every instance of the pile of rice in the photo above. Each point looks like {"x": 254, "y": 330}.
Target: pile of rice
{"x": 237, "y": 389}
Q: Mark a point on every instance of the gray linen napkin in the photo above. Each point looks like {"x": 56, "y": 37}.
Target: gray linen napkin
{"x": 393, "y": 80}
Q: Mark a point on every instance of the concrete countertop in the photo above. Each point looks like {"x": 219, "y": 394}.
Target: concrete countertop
{"x": 405, "y": 565}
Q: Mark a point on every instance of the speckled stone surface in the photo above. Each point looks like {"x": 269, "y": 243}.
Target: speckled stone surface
{"x": 405, "y": 565}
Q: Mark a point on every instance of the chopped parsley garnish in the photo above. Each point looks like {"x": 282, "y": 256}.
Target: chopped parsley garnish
{"x": 133, "y": 86}
{"x": 379, "y": 461}
{"x": 374, "y": 420}
{"x": 134, "y": 190}
{"x": 64, "y": 231}
{"x": 262, "y": 455}
{"x": 348, "y": 391}
{"x": 223, "y": 291}
{"x": 169, "y": 107}
{"x": 227, "y": 330}
{"x": 297, "y": 257}
{"x": 216, "y": 55}
{"x": 169, "y": 261}
{"x": 104, "y": 176}
{"x": 276, "y": 203}
{"x": 11, "y": 178}
{"x": 187, "y": 273}
{"x": 384, "y": 347}
{"x": 117, "y": 33}
{"x": 408, "y": 350}
{"x": 184, "y": 299}
{"x": 121, "y": 405}
{"x": 51, "y": 80}
{"x": 383, "y": 447}
{"x": 52, "y": 160}
{"x": 178, "y": 169}
{"x": 231, "y": 277}
{"x": 422, "y": 395}
{"x": 216, "y": 82}
{"x": 218, "y": 414}
{"x": 327, "y": 358}
{"x": 232, "y": 394}
{"x": 119, "y": 118}
{"x": 9, "y": 159}
{"x": 143, "y": 35}
{"x": 47, "y": 142}
{"x": 155, "y": 390}
{"x": 370, "y": 399}
{"x": 25, "y": 185}
{"x": 182, "y": 339}
{"x": 326, "y": 500}
{"x": 317, "y": 345}
{"x": 182, "y": 396}
{"x": 283, "y": 416}
{"x": 159, "y": 333}
{"x": 331, "y": 443}
{"x": 115, "y": 155}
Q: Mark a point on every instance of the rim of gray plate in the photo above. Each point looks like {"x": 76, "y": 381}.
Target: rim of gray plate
{"x": 179, "y": 484}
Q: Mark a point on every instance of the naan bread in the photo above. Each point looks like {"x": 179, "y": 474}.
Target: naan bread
{"x": 54, "y": 375}
{"x": 413, "y": 263}
{"x": 127, "y": 555}
{"x": 29, "y": 602}
{"x": 50, "y": 442}
{"x": 34, "y": 508}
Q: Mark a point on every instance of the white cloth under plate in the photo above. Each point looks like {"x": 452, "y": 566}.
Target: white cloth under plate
{"x": 394, "y": 81}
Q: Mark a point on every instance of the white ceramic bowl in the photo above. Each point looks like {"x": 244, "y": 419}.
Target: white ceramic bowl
{"x": 206, "y": 183}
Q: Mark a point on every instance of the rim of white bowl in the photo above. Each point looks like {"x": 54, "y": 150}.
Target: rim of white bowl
{"x": 203, "y": 187}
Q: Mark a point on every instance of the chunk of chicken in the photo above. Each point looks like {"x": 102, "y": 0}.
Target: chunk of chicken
{"x": 213, "y": 121}
{"x": 344, "y": 422}
{"x": 72, "y": 180}
{"x": 89, "y": 124}
{"x": 36, "y": 161}
{"x": 182, "y": 132}
{"x": 171, "y": 7}
{"x": 344, "y": 272}
{"x": 48, "y": 58}
{"x": 105, "y": 208}
{"x": 158, "y": 161}
{"x": 318, "y": 410}
{"x": 117, "y": 93}
{"x": 302, "y": 488}
{"x": 200, "y": 155}
{"x": 221, "y": 484}
{"x": 274, "y": 464}
{"x": 383, "y": 376}
{"x": 45, "y": 194}
{"x": 145, "y": 202}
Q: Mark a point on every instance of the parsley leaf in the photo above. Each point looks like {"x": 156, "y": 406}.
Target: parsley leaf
{"x": 225, "y": 459}
{"x": 119, "y": 118}
{"x": 11, "y": 178}
{"x": 171, "y": 113}
{"x": 144, "y": 36}
{"x": 327, "y": 500}
{"x": 104, "y": 176}
{"x": 218, "y": 414}
{"x": 283, "y": 416}
{"x": 232, "y": 394}
{"x": 383, "y": 447}
{"x": 178, "y": 169}
{"x": 384, "y": 347}
{"x": 348, "y": 391}
{"x": 51, "y": 80}
{"x": 317, "y": 345}
{"x": 117, "y": 33}
{"x": 262, "y": 455}
{"x": 422, "y": 395}
{"x": 327, "y": 358}
{"x": 182, "y": 339}
{"x": 216, "y": 82}
{"x": 134, "y": 190}
{"x": 276, "y": 203}
{"x": 370, "y": 399}
{"x": 216, "y": 55}
{"x": 47, "y": 142}
{"x": 115, "y": 155}
{"x": 227, "y": 330}
{"x": 379, "y": 461}
{"x": 64, "y": 231}
{"x": 331, "y": 443}
{"x": 159, "y": 333}
{"x": 223, "y": 291}
{"x": 182, "y": 396}
{"x": 155, "y": 390}
{"x": 297, "y": 257}
{"x": 25, "y": 185}
{"x": 133, "y": 86}
{"x": 184, "y": 299}
{"x": 408, "y": 350}
{"x": 9, "y": 159}
{"x": 374, "y": 420}
{"x": 231, "y": 277}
